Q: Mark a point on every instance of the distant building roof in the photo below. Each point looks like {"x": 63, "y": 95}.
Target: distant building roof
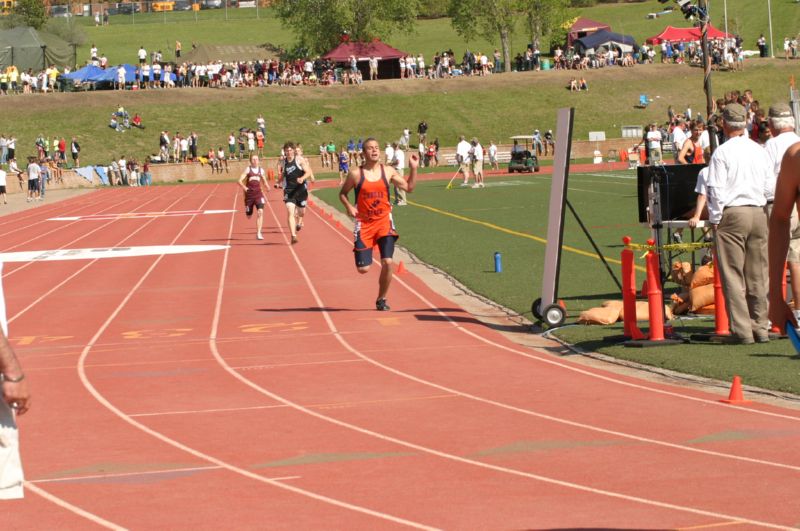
{"x": 363, "y": 51}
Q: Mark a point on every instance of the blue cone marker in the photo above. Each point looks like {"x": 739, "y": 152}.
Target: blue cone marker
{"x": 498, "y": 262}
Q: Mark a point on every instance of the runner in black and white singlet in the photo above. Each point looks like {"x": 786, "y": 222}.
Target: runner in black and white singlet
{"x": 295, "y": 173}
{"x": 251, "y": 182}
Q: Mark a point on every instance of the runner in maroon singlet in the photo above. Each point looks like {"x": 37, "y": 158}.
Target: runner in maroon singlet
{"x": 251, "y": 182}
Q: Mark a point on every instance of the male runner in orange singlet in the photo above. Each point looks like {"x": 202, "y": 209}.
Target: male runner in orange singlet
{"x": 373, "y": 211}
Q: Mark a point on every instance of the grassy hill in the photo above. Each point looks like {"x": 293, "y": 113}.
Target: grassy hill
{"x": 122, "y": 38}
{"x": 494, "y": 107}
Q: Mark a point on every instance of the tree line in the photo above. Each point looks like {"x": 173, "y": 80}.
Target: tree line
{"x": 319, "y": 25}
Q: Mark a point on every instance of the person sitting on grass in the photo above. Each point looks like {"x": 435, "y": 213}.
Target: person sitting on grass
{"x": 137, "y": 121}
{"x": 114, "y": 123}
{"x": 573, "y": 85}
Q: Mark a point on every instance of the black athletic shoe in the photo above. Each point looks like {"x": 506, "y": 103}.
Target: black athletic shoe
{"x": 298, "y": 228}
{"x": 382, "y": 306}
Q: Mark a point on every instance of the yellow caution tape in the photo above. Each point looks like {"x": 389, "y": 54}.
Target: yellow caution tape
{"x": 675, "y": 247}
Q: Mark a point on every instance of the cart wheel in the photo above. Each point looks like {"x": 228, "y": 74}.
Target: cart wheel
{"x": 554, "y": 315}
{"x": 536, "y": 308}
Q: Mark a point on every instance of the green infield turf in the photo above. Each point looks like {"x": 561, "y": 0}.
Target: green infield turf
{"x": 459, "y": 231}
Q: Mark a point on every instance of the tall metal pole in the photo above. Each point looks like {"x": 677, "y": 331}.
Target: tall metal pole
{"x": 704, "y": 21}
{"x": 725, "y": 9}
{"x": 769, "y": 15}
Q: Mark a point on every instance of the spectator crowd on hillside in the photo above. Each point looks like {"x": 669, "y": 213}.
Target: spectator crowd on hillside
{"x": 151, "y": 70}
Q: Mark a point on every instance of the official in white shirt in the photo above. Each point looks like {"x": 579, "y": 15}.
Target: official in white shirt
{"x": 785, "y": 222}
{"x": 462, "y": 158}
{"x": 737, "y": 182}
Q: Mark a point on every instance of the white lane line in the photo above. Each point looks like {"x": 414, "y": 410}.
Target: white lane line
{"x": 116, "y": 251}
{"x": 139, "y": 215}
{"x": 82, "y": 236}
{"x": 511, "y": 471}
{"x": 144, "y": 473}
{"x": 63, "y": 503}
{"x": 52, "y": 207}
{"x": 557, "y": 363}
{"x": 82, "y": 269}
{"x": 174, "y": 443}
{"x": 331, "y": 405}
{"x": 73, "y": 508}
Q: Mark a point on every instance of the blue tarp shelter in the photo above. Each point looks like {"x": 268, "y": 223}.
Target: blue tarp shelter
{"x": 604, "y": 39}
{"x": 110, "y": 74}
{"x": 85, "y": 74}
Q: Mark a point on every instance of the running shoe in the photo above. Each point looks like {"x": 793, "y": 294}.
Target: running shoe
{"x": 298, "y": 228}
{"x": 476, "y": 185}
{"x": 294, "y": 239}
{"x": 382, "y": 306}
{"x": 259, "y": 236}
{"x": 676, "y": 237}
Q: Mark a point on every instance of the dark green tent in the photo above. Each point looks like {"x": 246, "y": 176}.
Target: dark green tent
{"x": 27, "y": 48}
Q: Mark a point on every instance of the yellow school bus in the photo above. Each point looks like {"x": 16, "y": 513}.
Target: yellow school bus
{"x": 7, "y": 6}
{"x": 163, "y": 6}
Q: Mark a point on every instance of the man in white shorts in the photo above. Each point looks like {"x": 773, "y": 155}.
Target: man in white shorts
{"x": 34, "y": 172}
{"x": 462, "y": 158}
{"x": 493, "y": 155}
{"x": 3, "y": 186}
{"x": 477, "y": 163}
{"x": 16, "y": 400}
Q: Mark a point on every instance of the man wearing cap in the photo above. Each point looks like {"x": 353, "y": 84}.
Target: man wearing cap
{"x": 783, "y": 151}
{"x": 549, "y": 143}
{"x": 737, "y": 183}
{"x": 538, "y": 145}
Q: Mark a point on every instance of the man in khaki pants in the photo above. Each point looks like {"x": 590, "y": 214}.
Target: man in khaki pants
{"x": 737, "y": 181}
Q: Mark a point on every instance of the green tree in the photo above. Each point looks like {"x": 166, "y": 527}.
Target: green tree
{"x": 489, "y": 19}
{"x": 544, "y": 20}
{"x": 320, "y": 24}
{"x": 28, "y": 13}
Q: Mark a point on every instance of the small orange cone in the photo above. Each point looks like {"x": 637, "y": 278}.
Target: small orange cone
{"x": 735, "y": 397}
{"x": 401, "y": 268}
{"x": 338, "y": 225}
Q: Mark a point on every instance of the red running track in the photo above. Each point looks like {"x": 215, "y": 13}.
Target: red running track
{"x": 256, "y": 387}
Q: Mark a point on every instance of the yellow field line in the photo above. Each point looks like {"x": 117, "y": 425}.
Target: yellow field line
{"x": 515, "y": 233}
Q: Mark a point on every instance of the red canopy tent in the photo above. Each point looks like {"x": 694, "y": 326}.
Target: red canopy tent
{"x": 583, "y": 27}
{"x": 388, "y": 57}
{"x": 673, "y": 34}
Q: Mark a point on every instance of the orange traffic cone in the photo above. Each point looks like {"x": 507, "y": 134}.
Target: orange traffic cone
{"x": 735, "y": 397}
{"x": 401, "y": 268}
{"x": 338, "y": 225}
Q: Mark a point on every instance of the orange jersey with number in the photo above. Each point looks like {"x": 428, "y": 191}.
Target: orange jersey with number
{"x": 374, "y": 219}
{"x": 372, "y": 198}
